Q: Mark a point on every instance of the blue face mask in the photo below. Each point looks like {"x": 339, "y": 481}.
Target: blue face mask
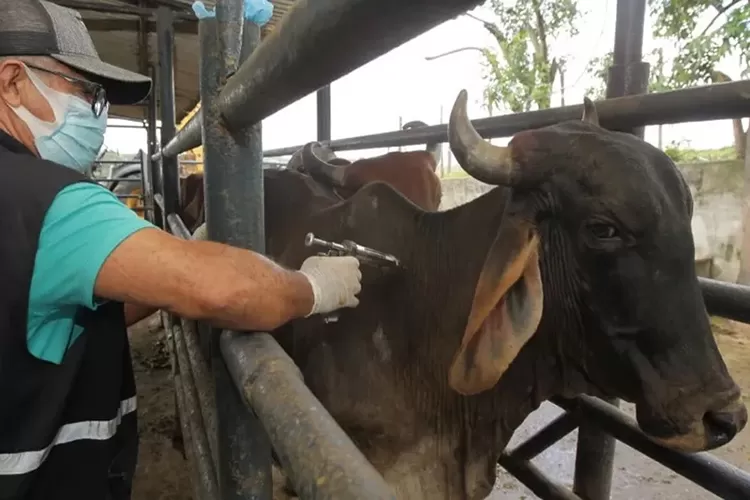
{"x": 75, "y": 137}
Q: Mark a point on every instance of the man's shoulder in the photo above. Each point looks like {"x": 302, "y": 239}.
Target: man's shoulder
{"x": 23, "y": 172}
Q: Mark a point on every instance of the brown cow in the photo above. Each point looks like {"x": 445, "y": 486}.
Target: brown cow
{"x": 411, "y": 173}
{"x": 574, "y": 275}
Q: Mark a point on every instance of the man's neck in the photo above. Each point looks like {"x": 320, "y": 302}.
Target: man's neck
{"x": 17, "y": 130}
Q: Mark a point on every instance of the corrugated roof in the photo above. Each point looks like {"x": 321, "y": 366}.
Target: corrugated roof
{"x": 117, "y": 38}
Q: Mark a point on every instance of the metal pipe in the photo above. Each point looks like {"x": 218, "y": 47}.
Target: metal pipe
{"x": 170, "y": 174}
{"x": 187, "y": 138}
{"x": 297, "y": 60}
{"x": 178, "y": 227}
{"x": 709, "y": 102}
{"x": 320, "y": 459}
{"x": 595, "y": 449}
{"x": 152, "y": 180}
{"x": 159, "y": 200}
{"x": 203, "y": 385}
{"x": 233, "y": 182}
{"x": 727, "y": 300}
{"x": 704, "y": 469}
{"x": 187, "y": 437}
{"x": 553, "y": 432}
{"x": 115, "y": 179}
{"x": 117, "y": 162}
{"x": 324, "y": 113}
{"x": 535, "y": 480}
{"x": 204, "y": 463}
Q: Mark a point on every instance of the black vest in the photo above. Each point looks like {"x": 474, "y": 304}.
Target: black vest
{"x": 67, "y": 431}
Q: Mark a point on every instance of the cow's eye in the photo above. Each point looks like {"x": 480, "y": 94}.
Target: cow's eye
{"x": 603, "y": 231}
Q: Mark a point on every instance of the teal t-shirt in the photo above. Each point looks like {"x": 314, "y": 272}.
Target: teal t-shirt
{"x": 83, "y": 225}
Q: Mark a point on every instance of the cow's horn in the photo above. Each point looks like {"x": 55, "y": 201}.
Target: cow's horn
{"x": 590, "y": 115}
{"x": 479, "y": 158}
{"x": 320, "y": 169}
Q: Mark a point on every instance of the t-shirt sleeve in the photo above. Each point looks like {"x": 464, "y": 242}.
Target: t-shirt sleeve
{"x": 82, "y": 227}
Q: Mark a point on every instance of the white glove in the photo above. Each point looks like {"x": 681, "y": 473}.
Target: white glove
{"x": 335, "y": 282}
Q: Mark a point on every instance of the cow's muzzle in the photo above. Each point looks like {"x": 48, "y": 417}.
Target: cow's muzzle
{"x": 716, "y": 428}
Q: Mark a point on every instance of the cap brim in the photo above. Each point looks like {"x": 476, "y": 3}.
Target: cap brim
{"x": 123, "y": 87}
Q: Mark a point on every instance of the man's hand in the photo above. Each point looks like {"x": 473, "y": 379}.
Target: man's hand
{"x": 335, "y": 282}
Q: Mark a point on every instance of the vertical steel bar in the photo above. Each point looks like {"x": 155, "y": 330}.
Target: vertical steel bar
{"x": 324, "y": 113}
{"x": 628, "y": 75}
{"x": 153, "y": 166}
{"x": 233, "y": 182}
{"x": 170, "y": 173}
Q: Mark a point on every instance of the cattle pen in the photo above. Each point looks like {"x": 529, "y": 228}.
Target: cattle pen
{"x": 240, "y": 396}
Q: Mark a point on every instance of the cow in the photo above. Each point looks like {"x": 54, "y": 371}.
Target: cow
{"x": 410, "y": 172}
{"x": 573, "y": 275}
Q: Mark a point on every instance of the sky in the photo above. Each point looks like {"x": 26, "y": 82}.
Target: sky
{"x": 402, "y": 84}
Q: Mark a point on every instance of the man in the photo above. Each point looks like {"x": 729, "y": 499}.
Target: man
{"x": 71, "y": 255}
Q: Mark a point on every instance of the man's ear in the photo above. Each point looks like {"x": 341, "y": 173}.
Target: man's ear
{"x": 506, "y": 310}
{"x": 11, "y": 76}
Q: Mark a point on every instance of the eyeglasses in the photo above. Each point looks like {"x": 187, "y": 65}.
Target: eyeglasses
{"x": 92, "y": 90}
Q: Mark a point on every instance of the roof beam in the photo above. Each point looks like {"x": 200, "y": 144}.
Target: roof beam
{"x": 123, "y": 9}
{"x": 120, "y": 24}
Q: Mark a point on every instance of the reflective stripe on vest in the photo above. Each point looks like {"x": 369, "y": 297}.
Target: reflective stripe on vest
{"x": 100, "y": 430}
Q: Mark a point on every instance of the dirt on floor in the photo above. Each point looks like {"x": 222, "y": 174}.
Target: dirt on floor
{"x": 163, "y": 472}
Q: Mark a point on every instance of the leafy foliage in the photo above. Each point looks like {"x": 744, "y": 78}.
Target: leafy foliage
{"x": 726, "y": 33}
{"x": 682, "y": 154}
{"x": 521, "y": 72}
{"x": 659, "y": 78}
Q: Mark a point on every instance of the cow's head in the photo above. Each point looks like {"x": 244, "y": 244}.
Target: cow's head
{"x": 612, "y": 217}
{"x": 411, "y": 173}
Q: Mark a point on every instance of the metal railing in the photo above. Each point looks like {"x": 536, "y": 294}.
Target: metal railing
{"x": 258, "y": 398}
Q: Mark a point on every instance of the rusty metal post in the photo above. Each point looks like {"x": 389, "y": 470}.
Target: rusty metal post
{"x": 628, "y": 75}
{"x": 324, "y": 113}
{"x": 233, "y": 181}
{"x": 170, "y": 174}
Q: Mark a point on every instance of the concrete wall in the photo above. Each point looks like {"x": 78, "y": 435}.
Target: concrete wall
{"x": 717, "y": 221}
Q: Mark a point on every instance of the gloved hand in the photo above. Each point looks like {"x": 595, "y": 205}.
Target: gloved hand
{"x": 335, "y": 282}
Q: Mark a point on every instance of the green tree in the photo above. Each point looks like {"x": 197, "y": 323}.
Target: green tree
{"x": 520, "y": 73}
{"x": 706, "y": 32}
{"x": 659, "y": 77}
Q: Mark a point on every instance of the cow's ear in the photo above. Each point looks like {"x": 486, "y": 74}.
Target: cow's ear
{"x": 506, "y": 310}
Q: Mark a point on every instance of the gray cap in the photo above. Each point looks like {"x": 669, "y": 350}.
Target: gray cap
{"x": 40, "y": 28}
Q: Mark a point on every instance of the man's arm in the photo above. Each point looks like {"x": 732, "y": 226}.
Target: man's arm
{"x": 202, "y": 280}
{"x": 97, "y": 248}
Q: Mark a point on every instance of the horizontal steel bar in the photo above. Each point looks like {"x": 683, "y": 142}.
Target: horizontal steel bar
{"x": 177, "y": 226}
{"x": 535, "y": 480}
{"x": 546, "y": 437}
{"x": 117, "y": 162}
{"x": 185, "y": 139}
{"x": 727, "y": 300}
{"x": 318, "y": 42}
{"x": 704, "y": 469}
{"x": 709, "y": 102}
{"x": 319, "y": 457}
